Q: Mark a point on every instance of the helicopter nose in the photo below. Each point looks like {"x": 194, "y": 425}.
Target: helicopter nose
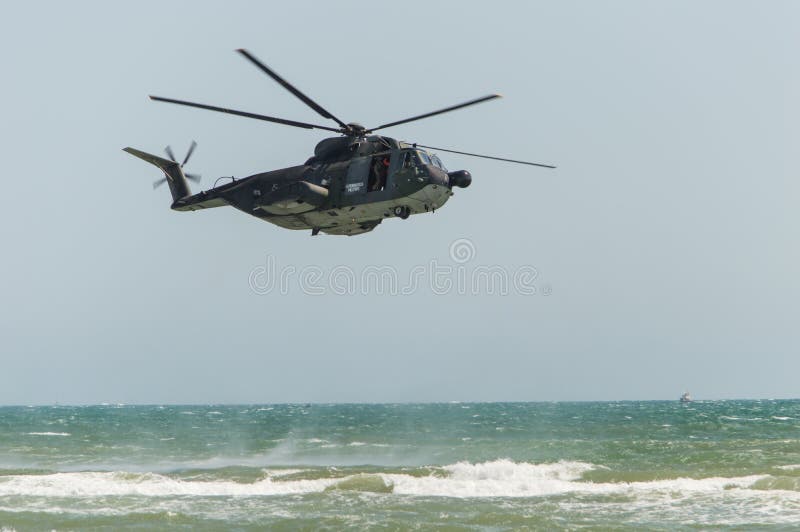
{"x": 460, "y": 178}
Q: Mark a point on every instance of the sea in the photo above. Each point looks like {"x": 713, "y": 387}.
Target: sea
{"x": 652, "y": 465}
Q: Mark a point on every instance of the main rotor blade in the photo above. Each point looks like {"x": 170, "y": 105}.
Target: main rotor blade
{"x": 440, "y": 111}
{"x": 486, "y": 156}
{"x": 189, "y": 153}
{"x": 289, "y": 87}
{"x": 159, "y": 182}
{"x": 193, "y": 177}
{"x": 245, "y": 114}
{"x": 169, "y": 153}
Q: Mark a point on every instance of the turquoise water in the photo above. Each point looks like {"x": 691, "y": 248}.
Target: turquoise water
{"x": 459, "y": 466}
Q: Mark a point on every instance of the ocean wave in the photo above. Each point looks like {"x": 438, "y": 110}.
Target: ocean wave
{"x": 48, "y": 434}
{"x": 363, "y": 482}
{"x": 277, "y": 473}
{"x": 497, "y": 478}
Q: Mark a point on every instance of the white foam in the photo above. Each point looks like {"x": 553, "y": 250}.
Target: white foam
{"x": 93, "y": 484}
{"x": 498, "y": 478}
{"x": 49, "y": 434}
{"x": 503, "y": 478}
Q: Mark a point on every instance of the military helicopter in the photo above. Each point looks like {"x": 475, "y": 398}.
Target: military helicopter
{"x": 350, "y": 185}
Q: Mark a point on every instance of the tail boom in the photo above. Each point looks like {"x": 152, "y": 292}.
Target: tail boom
{"x": 172, "y": 170}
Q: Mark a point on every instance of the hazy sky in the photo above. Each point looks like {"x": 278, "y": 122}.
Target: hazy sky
{"x": 666, "y": 242}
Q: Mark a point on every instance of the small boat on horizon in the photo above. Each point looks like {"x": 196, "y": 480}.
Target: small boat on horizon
{"x": 686, "y": 398}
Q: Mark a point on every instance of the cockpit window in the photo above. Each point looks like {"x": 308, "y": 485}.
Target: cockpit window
{"x": 415, "y": 157}
{"x": 438, "y": 162}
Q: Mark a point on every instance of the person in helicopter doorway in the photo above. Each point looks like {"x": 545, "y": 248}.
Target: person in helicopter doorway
{"x": 380, "y": 169}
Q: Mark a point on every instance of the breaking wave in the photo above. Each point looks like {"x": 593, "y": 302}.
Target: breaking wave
{"x": 498, "y": 478}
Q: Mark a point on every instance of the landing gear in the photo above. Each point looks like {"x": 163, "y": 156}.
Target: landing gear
{"x": 402, "y": 212}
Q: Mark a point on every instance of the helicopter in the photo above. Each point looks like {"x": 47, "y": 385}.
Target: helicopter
{"x": 348, "y": 187}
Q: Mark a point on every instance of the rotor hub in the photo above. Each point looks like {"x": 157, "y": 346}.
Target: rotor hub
{"x": 354, "y": 129}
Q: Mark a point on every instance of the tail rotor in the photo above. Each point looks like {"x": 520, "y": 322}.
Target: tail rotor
{"x": 171, "y": 155}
